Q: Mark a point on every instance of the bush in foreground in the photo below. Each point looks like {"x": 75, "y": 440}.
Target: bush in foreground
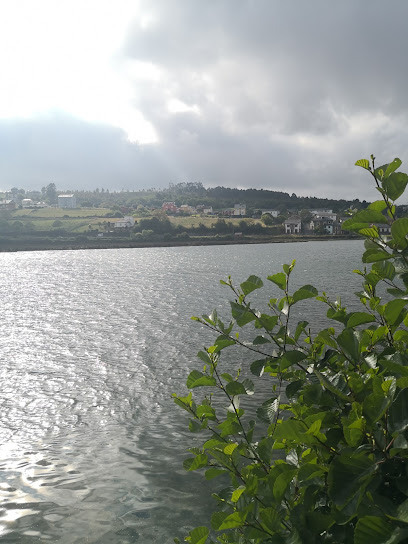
{"x": 325, "y": 461}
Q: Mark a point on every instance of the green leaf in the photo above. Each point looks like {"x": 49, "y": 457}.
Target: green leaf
{"x": 235, "y": 388}
{"x": 399, "y": 230}
{"x": 199, "y": 535}
{"x": 230, "y": 448}
{"x": 327, "y": 384}
{"x": 301, "y": 326}
{"x": 325, "y": 337}
{"x": 369, "y": 216}
{"x": 249, "y": 386}
{"x": 217, "y": 519}
{"x": 384, "y": 269}
{"x": 294, "y": 430}
{"x": 252, "y": 283}
{"x": 307, "y": 291}
{"x": 394, "y": 165}
{"x": 359, "y": 318}
{"x": 395, "y": 184}
{"x": 214, "y": 472}
{"x": 372, "y": 530}
{"x": 204, "y": 357}
{"x": 291, "y": 358}
{"x": 375, "y": 406}
{"x": 310, "y": 471}
{"x": 370, "y": 232}
{"x": 378, "y": 205}
{"x": 261, "y": 340}
{"x": 267, "y": 412}
{"x": 267, "y": 322}
{"x": 228, "y": 427}
{"x": 279, "y": 279}
{"x": 398, "y": 412}
{"x": 364, "y": 163}
{"x": 223, "y": 342}
{"x": 257, "y": 367}
{"x": 237, "y": 519}
{"x": 198, "y": 379}
{"x": 347, "y": 476}
{"x": 351, "y": 224}
{"x": 281, "y": 483}
{"x": 241, "y": 314}
{"x": 204, "y": 410}
{"x": 349, "y": 343}
{"x": 194, "y": 463}
{"x": 237, "y": 493}
{"x": 393, "y": 310}
{"x": 374, "y": 255}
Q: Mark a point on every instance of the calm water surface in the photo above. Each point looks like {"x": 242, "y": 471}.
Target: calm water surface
{"x": 92, "y": 345}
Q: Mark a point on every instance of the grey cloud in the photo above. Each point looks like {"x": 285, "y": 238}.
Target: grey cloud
{"x": 74, "y": 154}
{"x": 290, "y": 94}
{"x": 266, "y": 74}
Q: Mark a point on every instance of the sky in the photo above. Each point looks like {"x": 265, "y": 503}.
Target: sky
{"x": 133, "y": 94}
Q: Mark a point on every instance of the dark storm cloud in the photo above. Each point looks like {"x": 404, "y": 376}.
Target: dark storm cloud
{"x": 290, "y": 93}
{"x": 75, "y": 154}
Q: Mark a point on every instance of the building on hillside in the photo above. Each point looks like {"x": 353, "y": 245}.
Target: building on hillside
{"x": 7, "y": 204}
{"x": 125, "y": 222}
{"x": 169, "y": 207}
{"x": 326, "y": 224}
{"x": 188, "y": 210}
{"x": 27, "y": 203}
{"x": 293, "y": 225}
{"x": 272, "y": 213}
{"x": 239, "y": 210}
{"x": 321, "y": 211}
{"x": 67, "y": 201}
{"x": 205, "y": 210}
{"x": 323, "y": 225}
{"x": 326, "y": 215}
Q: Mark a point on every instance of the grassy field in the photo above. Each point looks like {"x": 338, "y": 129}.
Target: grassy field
{"x": 58, "y": 213}
{"x": 195, "y": 220}
{"x": 82, "y": 220}
{"x": 76, "y": 221}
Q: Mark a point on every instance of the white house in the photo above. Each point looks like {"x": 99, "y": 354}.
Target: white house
{"x": 27, "y": 203}
{"x": 125, "y": 223}
{"x": 293, "y": 225}
{"x": 67, "y": 201}
{"x": 239, "y": 209}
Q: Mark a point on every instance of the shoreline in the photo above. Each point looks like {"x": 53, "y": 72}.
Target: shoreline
{"x": 109, "y": 243}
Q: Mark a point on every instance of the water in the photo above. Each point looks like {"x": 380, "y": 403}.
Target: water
{"x": 92, "y": 345}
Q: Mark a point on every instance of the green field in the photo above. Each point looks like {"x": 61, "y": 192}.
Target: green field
{"x": 58, "y": 213}
{"x": 195, "y": 220}
{"x": 75, "y": 221}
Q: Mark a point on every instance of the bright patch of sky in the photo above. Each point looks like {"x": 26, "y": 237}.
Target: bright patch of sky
{"x": 61, "y": 56}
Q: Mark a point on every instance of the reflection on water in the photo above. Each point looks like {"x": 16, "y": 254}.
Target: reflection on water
{"x": 93, "y": 344}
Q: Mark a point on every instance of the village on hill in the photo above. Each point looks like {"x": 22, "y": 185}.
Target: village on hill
{"x": 194, "y": 215}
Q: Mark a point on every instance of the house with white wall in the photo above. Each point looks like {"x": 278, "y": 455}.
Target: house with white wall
{"x": 293, "y": 225}
{"x": 67, "y": 201}
{"x": 125, "y": 223}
